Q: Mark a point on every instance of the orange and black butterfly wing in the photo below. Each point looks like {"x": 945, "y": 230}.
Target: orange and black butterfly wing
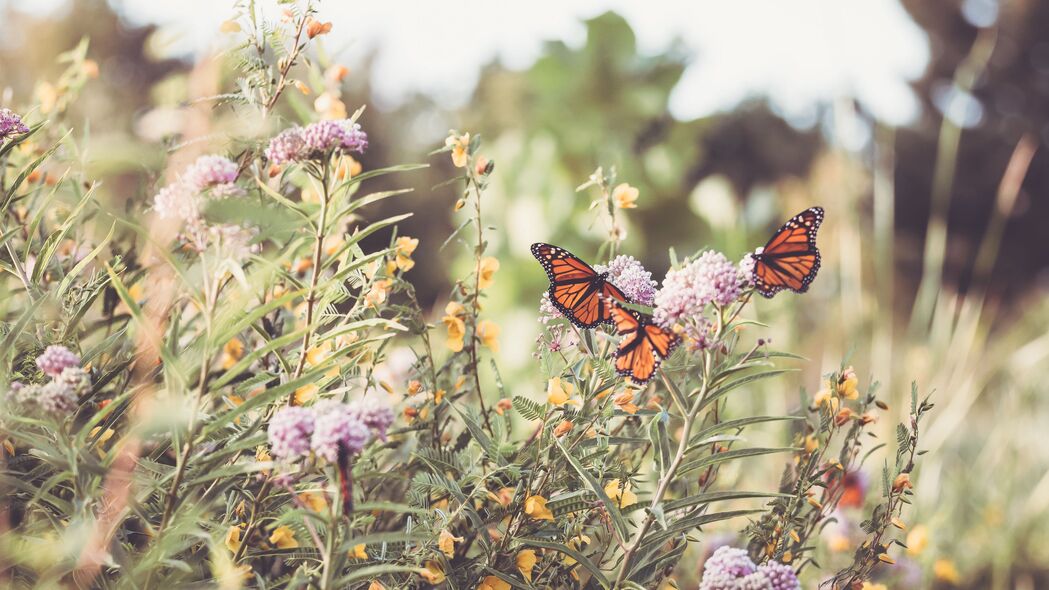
{"x": 576, "y": 289}
{"x": 643, "y": 347}
{"x": 790, "y": 259}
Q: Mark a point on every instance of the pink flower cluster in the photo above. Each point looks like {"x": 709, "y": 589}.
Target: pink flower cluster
{"x": 732, "y": 569}
{"x": 68, "y": 382}
{"x": 211, "y": 176}
{"x": 11, "y": 124}
{"x": 630, "y": 276}
{"x": 317, "y": 141}
{"x": 326, "y": 428}
{"x": 688, "y": 291}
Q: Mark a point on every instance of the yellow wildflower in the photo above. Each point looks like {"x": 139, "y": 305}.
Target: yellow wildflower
{"x": 526, "y": 561}
{"x": 305, "y": 394}
{"x": 488, "y": 332}
{"x": 359, "y": 551}
{"x": 870, "y": 586}
{"x": 902, "y": 482}
{"x": 302, "y": 87}
{"x": 315, "y": 502}
{"x": 486, "y": 269}
{"x": 945, "y": 571}
{"x": 315, "y": 28}
{"x": 563, "y": 428}
{"x": 620, "y": 493}
{"x": 438, "y": 396}
{"x": 535, "y": 506}
{"x": 453, "y": 321}
{"x": 460, "y": 145}
{"x": 847, "y": 384}
{"x": 625, "y": 196}
{"x": 405, "y": 246}
{"x": 233, "y": 538}
{"x": 283, "y": 538}
{"x": 575, "y": 543}
{"x": 503, "y": 497}
{"x": 375, "y": 585}
{"x": 100, "y": 442}
{"x": 377, "y": 294}
{"x": 625, "y": 402}
{"x": 347, "y": 168}
{"x": 493, "y": 583}
{"x": 811, "y": 444}
{"x": 432, "y": 573}
{"x": 446, "y": 543}
{"x": 336, "y": 73}
{"x": 232, "y": 352}
{"x": 917, "y": 539}
{"x": 558, "y": 392}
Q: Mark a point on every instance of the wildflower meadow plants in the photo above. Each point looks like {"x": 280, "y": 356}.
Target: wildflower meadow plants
{"x": 228, "y": 388}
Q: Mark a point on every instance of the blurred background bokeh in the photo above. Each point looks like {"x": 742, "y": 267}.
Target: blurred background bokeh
{"x": 921, "y": 127}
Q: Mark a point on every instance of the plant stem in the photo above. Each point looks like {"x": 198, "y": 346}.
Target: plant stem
{"x": 668, "y": 478}
{"x": 311, "y": 294}
{"x": 478, "y": 255}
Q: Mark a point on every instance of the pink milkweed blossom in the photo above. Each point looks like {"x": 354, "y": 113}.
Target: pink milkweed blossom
{"x": 177, "y": 201}
{"x": 210, "y": 170}
{"x": 316, "y": 141}
{"x": 779, "y": 576}
{"x": 732, "y": 569}
{"x": 75, "y": 379}
{"x": 337, "y": 428}
{"x": 374, "y": 414}
{"x": 55, "y": 359}
{"x": 56, "y": 398}
{"x": 630, "y": 276}
{"x": 11, "y": 124}
{"x": 289, "y": 432}
{"x": 687, "y": 291}
{"x": 286, "y": 146}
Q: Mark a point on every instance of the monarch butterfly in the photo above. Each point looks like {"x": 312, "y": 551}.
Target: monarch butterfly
{"x": 576, "y": 289}
{"x": 790, "y": 259}
{"x": 644, "y": 346}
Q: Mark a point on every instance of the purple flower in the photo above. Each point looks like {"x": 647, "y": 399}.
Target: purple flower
{"x": 355, "y": 140}
{"x": 316, "y": 141}
{"x": 289, "y": 432}
{"x": 732, "y": 569}
{"x": 55, "y": 359}
{"x": 208, "y": 171}
{"x": 627, "y": 273}
{"x": 177, "y": 201}
{"x": 780, "y": 576}
{"x": 547, "y": 311}
{"x": 11, "y": 124}
{"x": 724, "y": 569}
{"x": 285, "y": 147}
{"x": 76, "y": 380}
{"x": 56, "y": 398}
{"x": 688, "y": 291}
{"x": 374, "y": 414}
{"x": 746, "y": 266}
{"x": 22, "y": 393}
{"x": 337, "y": 427}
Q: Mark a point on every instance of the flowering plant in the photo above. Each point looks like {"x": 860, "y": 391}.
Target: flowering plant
{"x": 245, "y": 390}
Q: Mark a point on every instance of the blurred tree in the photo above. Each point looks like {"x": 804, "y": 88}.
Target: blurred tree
{"x": 1009, "y": 98}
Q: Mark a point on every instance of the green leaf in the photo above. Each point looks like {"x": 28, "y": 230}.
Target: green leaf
{"x": 584, "y": 561}
{"x": 717, "y": 458}
{"x": 613, "y": 510}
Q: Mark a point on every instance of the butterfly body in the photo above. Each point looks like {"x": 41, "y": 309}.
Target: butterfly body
{"x": 790, "y": 259}
{"x": 576, "y": 289}
{"x": 644, "y": 345}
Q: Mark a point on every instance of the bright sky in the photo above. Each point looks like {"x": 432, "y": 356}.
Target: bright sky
{"x": 797, "y": 52}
